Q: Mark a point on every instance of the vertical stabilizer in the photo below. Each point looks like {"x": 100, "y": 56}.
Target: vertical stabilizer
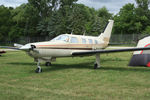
{"x": 105, "y": 36}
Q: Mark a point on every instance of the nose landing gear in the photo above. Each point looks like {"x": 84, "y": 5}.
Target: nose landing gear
{"x": 39, "y": 69}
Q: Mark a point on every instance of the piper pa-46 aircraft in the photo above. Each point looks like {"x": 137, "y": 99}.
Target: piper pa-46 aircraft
{"x": 68, "y": 45}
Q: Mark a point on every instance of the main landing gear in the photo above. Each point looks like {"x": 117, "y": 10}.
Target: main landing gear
{"x": 97, "y": 63}
{"x": 48, "y": 64}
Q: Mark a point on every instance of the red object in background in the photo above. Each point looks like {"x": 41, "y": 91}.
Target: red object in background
{"x": 2, "y": 52}
{"x": 148, "y": 64}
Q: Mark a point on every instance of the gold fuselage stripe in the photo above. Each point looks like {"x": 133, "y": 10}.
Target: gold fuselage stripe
{"x": 71, "y": 46}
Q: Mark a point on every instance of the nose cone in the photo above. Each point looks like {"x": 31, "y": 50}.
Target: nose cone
{"x": 26, "y": 47}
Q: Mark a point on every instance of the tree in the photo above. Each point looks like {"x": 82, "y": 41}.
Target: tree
{"x": 104, "y": 16}
{"x": 79, "y": 18}
{"x": 125, "y": 20}
{"x": 143, "y": 13}
{"x": 5, "y": 22}
{"x": 147, "y": 30}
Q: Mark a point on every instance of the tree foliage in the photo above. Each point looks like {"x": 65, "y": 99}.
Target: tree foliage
{"x": 133, "y": 20}
{"x": 55, "y": 17}
{"x": 5, "y": 22}
{"x": 51, "y": 18}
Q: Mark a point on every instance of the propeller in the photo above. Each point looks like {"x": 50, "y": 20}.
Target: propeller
{"x": 28, "y": 47}
{"x": 33, "y": 47}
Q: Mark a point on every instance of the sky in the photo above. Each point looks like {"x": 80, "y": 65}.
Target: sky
{"x": 112, "y": 5}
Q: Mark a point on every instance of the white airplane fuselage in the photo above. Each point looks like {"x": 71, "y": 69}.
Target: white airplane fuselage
{"x": 64, "y": 48}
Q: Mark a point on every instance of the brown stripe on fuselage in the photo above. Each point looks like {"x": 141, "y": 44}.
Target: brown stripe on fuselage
{"x": 66, "y": 48}
{"x": 67, "y": 45}
{"x": 71, "y": 46}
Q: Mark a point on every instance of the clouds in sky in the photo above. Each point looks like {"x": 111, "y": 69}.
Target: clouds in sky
{"x": 12, "y": 3}
{"x": 112, "y": 5}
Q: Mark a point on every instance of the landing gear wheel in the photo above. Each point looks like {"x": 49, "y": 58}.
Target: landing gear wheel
{"x": 95, "y": 66}
{"x": 48, "y": 64}
{"x": 38, "y": 70}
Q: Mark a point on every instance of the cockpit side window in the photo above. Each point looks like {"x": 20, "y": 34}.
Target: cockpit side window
{"x": 96, "y": 42}
{"x": 74, "y": 40}
{"x": 83, "y": 41}
{"x": 90, "y": 41}
{"x": 61, "y": 38}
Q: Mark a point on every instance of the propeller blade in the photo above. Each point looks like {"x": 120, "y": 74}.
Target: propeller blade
{"x": 28, "y": 47}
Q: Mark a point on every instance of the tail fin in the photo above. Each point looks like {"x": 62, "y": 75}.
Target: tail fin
{"x": 105, "y": 36}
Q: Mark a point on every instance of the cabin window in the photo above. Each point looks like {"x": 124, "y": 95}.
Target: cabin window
{"x": 90, "y": 41}
{"x": 84, "y": 41}
{"x": 74, "y": 40}
{"x": 61, "y": 38}
{"x": 96, "y": 42}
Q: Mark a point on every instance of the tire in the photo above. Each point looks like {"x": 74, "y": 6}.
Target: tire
{"x": 48, "y": 64}
{"x": 38, "y": 70}
{"x": 95, "y": 66}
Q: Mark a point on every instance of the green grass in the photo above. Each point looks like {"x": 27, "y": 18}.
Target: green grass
{"x": 73, "y": 79}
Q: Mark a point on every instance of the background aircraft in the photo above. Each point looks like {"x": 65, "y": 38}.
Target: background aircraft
{"x": 141, "y": 58}
{"x": 68, "y": 45}
{"x": 1, "y": 52}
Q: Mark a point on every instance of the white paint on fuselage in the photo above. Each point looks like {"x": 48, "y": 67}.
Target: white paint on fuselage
{"x": 67, "y": 46}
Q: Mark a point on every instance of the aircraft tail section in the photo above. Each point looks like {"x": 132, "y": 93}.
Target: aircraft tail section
{"x": 105, "y": 36}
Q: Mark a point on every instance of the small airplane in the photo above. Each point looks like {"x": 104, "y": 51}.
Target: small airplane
{"x": 1, "y": 52}
{"x": 68, "y": 45}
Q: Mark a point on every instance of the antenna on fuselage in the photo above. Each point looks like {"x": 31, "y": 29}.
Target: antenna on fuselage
{"x": 84, "y": 33}
{"x": 72, "y": 32}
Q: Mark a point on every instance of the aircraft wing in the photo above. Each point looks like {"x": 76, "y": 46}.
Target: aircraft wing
{"x": 109, "y": 51}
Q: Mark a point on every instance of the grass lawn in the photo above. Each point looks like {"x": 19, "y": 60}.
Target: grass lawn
{"x": 73, "y": 79}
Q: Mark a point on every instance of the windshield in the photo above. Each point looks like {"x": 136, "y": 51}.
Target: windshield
{"x": 61, "y": 38}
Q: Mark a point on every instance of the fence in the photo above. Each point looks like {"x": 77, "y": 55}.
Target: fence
{"x": 115, "y": 39}
{"x": 129, "y": 39}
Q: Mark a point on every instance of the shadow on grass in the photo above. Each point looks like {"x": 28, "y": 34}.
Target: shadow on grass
{"x": 2, "y": 56}
{"x": 133, "y": 69}
{"x": 56, "y": 67}
{"x": 113, "y": 59}
{"x": 87, "y": 65}
{"x": 22, "y": 64}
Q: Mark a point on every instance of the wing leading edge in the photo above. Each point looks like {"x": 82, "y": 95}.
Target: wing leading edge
{"x": 108, "y": 51}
